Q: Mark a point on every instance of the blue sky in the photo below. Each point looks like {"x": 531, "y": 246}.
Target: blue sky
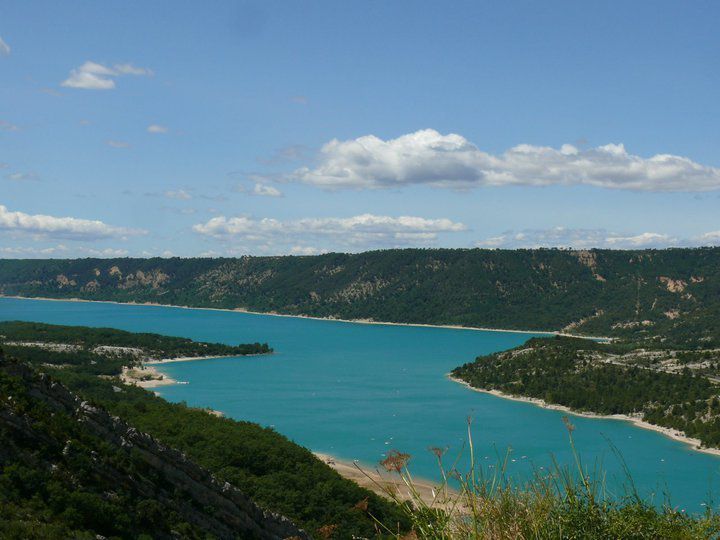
{"x": 229, "y": 128}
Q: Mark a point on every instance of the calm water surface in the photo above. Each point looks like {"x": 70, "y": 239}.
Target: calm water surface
{"x": 357, "y": 390}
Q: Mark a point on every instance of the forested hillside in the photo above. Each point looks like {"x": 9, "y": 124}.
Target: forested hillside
{"x": 672, "y": 388}
{"x": 70, "y": 470}
{"x": 669, "y": 293}
{"x": 94, "y": 456}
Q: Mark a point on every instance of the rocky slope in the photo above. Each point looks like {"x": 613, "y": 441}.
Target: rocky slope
{"x": 88, "y": 452}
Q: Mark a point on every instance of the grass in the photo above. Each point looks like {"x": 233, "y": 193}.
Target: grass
{"x": 566, "y": 502}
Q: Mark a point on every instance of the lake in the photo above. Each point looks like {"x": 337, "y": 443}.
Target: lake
{"x": 357, "y": 390}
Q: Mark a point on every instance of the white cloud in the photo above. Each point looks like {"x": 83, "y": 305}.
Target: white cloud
{"x": 266, "y": 191}
{"x": 60, "y": 251}
{"x": 4, "y": 48}
{"x": 305, "y": 250}
{"x": 60, "y": 227}
{"x": 22, "y": 177}
{"x": 129, "y": 69}
{"x": 156, "y": 128}
{"x": 180, "y": 195}
{"x": 117, "y": 144}
{"x": 709, "y": 239}
{"x": 94, "y": 76}
{"x": 428, "y": 157}
{"x": 642, "y": 240}
{"x": 357, "y": 232}
{"x": 7, "y": 126}
{"x": 593, "y": 238}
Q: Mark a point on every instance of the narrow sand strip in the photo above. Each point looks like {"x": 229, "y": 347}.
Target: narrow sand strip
{"x": 696, "y": 444}
{"x": 382, "y": 482}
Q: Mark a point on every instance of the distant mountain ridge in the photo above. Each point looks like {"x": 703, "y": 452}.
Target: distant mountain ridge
{"x": 643, "y": 293}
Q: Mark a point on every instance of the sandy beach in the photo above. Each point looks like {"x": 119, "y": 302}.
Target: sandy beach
{"x": 332, "y": 319}
{"x": 146, "y": 377}
{"x": 380, "y": 482}
{"x": 192, "y": 359}
{"x": 696, "y": 444}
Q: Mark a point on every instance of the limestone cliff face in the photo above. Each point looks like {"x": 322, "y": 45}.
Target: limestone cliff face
{"x": 219, "y": 509}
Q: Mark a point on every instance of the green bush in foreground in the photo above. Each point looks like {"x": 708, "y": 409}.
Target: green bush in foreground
{"x": 566, "y": 503}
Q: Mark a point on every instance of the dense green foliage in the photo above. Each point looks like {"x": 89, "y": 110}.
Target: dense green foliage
{"x": 57, "y": 484}
{"x": 674, "y": 292}
{"x": 152, "y": 345}
{"x": 272, "y": 470}
{"x": 275, "y": 472}
{"x": 585, "y": 376}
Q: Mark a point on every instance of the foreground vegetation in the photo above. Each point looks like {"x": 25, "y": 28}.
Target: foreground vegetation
{"x": 671, "y": 388}
{"x": 565, "y": 502}
{"x": 70, "y": 470}
{"x": 644, "y": 294}
{"x": 274, "y": 472}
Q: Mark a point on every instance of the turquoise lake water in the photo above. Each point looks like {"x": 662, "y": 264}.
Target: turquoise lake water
{"x": 356, "y": 391}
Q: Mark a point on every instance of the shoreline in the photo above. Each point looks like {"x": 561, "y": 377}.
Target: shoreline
{"x": 193, "y": 358}
{"x": 147, "y": 377}
{"x": 330, "y": 319}
{"x": 671, "y": 433}
{"x": 375, "y": 480}
{"x": 156, "y": 376}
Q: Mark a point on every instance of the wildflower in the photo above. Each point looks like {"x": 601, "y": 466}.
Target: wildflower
{"x": 439, "y": 452}
{"x": 395, "y": 461}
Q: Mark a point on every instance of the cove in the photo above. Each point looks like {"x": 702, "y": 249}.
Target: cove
{"x": 357, "y": 391}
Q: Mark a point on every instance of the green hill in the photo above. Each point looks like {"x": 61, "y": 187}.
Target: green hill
{"x": 670, "y": 293}
{"x": 83, "y": 454}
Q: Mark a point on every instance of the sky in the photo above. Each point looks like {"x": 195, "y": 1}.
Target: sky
{"x": 226, "y": 128}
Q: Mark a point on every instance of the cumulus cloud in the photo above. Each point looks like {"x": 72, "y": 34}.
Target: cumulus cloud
{"x": 4, "y": 48}
{"x": 357, "y": 232}
{"x": 95, "y": 76}
{"x": 22, "y": 177}
{"x": 156, "y": 128}
{"x": 180, "y": 195}
{"x": 428, "y": 157}
{"x": 709, "y": 239}
{"x": 593, "y": 238}
{"x": 305, "y": 250}
{"x": 117, "y": 144}
{"x": 7, "y": 126}
{"x": 60, "y": 251}
{"x": 266, "y": 191}
{"x": 60, "y": 227}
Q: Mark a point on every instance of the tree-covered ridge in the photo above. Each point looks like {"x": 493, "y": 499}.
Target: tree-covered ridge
{"x": 265, "y": 466}
{"x": 670, "y": 388}
{"x": 86, "y": 339}
{"x": 70, "y": 470}
{"x": 672, "y": 293}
